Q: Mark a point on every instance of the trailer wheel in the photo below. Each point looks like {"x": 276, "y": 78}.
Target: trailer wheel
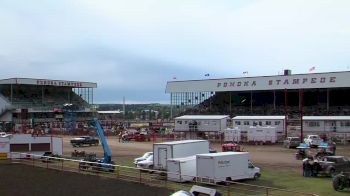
{"x": 256, "y": 176}
{"x": 337, "y": 183}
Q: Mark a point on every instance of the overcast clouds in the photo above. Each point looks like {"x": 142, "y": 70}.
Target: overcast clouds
{"x": 132, "y": 48}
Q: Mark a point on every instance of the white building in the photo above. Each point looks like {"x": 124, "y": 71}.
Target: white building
{"x": 244, "y": 122}
{"x": 201, "y": 123}
{"x": 324, "y": 124}
{"x": 26, "y": 143}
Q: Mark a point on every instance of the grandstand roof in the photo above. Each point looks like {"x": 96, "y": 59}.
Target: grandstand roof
{"x": 201, "y": 117}
{"x": 259, "y": 118}
{"x": 47, "y": 82}
{"x": 277, "y": 82}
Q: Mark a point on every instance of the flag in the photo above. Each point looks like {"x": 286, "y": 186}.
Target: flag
{"x": 206, "y": 74}
{"x": 312, "y": 69}
{"x": 245, "y": 72}
{"x": 174, "y": 78}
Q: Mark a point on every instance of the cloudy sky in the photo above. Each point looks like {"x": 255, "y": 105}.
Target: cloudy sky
{"x": 132, "y": 48}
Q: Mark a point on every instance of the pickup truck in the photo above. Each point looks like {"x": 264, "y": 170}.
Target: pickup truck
{"x": 84, "y": 140}
{"x": 313, "y": 140}
{"x": 331, "y": 165}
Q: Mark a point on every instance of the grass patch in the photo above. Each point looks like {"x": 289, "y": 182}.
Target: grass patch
{"x": 285, "y": 179}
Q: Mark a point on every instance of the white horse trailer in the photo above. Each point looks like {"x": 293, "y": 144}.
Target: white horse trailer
{"x": 232, "y": 135}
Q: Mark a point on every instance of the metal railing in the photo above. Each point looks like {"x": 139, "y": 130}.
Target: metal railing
{"x": 150, "y": 177}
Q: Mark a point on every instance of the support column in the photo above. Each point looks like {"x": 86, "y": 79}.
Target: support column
{"x": 301, "y": 93}
{"x": 286, "y": 112}
{"x": 251, "y": 101}
{"x": 274, "y": 99}
{"x": 327, "y": 100}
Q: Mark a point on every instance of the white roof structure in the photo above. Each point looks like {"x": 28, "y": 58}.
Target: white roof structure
{"x": 258, "y": 118}
{"x": 110, "y": 112}
{"x": 202, "y": 117}
{"x": 276, "y": 82}
{"x": 326, "y": 117}
{"x": 180, "y": 142}
{"x": 222, "y": 154}
{"x": 48, "y": 82}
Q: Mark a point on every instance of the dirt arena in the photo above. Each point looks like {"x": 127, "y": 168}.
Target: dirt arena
{"x": 274, "y": 156}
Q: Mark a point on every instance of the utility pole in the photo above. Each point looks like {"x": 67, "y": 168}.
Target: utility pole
{"x": 124, "y": 107}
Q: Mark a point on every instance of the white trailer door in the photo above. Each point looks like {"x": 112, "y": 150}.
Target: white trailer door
{"x": 162, "y": 157}
{"x": 206, "y": 167}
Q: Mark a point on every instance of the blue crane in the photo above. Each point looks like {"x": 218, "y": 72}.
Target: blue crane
{"x": 107, "y": 158}
{"x": 102, "y": 164}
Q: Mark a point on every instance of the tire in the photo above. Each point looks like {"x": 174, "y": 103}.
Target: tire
{"x": 256, "y": 176}
{"x": 337, "y": 183}
{"x": 332, "y": 172}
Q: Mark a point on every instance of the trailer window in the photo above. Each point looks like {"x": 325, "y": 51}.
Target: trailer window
{"x": 268, "y": 122}
{"x": 314, "y": 124}
{"x": 345, "y": 123}
{"x": 246, "y": 122}
{"x": 237, "y": 122}
{"x": 179, "y": 122}
{"x": 277, "y": 122}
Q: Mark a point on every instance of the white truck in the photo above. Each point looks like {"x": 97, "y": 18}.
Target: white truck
{"x": 263, "y": 135}
{"x": 225, "y": 166}
{"x": 177, "y": 149}
{"x": 313, "y": 140}
{"x": 232, "y": 135}
{"x": 181, "y": 169}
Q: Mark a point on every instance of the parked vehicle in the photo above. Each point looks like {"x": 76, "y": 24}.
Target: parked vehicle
{"x": 181, "y": 169}
{"x": 291, "y": 142}
{"x": 302, "y": 152}
{"x": 225, "y": 166}
{"x": 49, "y": 157}
{"x": 177, "y": 149}
{"x": 341, "y": 181}
{"x": 84, "y": 140}
{"x": 313, "y": 140}
{"x": 146, "y": 164}
{"x": 331, "y": 165}
{"x": 197, "y": 190}
{"x": 233, "y": 147}
{"x": 143, "y": 157}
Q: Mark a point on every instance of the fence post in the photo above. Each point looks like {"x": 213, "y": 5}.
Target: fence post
{"x": 140, "y": 176}
{"x": 228, "y": 190}
{"x": 117, "y": 171}
{"x": 267, "y": 191}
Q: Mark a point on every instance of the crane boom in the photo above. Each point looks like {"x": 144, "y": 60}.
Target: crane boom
{"x": 106, "y": 150}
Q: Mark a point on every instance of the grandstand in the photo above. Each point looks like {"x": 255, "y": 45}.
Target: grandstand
{"x": 27, "y": 102}
{"x": 293, "y": 96}
{"x": 324, "y": 94}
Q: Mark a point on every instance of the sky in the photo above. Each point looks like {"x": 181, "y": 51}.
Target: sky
{"x": 132, "y": 48}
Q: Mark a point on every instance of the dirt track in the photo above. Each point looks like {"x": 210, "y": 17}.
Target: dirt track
{"x": 274, "y": 156}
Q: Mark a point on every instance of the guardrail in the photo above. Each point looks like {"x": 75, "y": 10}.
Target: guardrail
{"x": 150, "y": 177}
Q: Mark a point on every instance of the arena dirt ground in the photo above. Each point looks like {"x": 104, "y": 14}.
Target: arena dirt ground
{"x": 26, "y": 180}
